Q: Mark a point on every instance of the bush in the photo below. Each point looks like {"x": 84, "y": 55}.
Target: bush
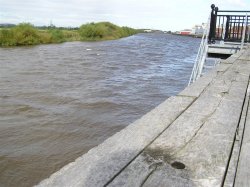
{"x": 45, "y": 37}
{"x": 92, "y": 31}
{"x": 26, "y": 34}
{"x": 71, "y": 35}
{"x": 104, "y": 31}
{"x": 7, "y": 38}
{"x": 23, "y": 34}
{"x": 56, "y": 35}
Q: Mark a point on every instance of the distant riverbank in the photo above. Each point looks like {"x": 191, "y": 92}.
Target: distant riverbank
{"x": 27, "y": 34}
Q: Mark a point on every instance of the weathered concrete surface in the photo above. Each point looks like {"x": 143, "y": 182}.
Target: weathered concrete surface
{"x": 197, "y": 128}
{"x": 243, "y": 172}
{"x": 232, "y": 168}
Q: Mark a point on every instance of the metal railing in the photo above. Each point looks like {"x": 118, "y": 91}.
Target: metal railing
{"x": 201, "y": 56}
{"x": 229, "y": 26}
{"x": 225, "y": 26}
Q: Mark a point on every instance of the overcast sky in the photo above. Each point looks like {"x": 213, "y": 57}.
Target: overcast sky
{"x": 155, "y": 14}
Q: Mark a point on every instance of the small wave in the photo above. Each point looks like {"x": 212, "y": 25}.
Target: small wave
{"x": 101, "y": 104}
{"x": 24, "y": 108}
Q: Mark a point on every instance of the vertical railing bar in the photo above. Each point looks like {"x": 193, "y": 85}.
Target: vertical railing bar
{"x": 227, "y": 28}
{"x": 238, "y": 29}
{"x": 234, "y": 30}
{"x": 244, "y": 32}
{"x": 242, "y": 27}
{"x": 219, "y": 35}
{"x": 230, "y": 27}
{"x": 248, "y": 33}
{"x": 248, "y": 24}
{"x": 223, "y": 30}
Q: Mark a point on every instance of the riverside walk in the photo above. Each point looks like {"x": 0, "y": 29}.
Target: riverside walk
{"x": 200, "y": 137}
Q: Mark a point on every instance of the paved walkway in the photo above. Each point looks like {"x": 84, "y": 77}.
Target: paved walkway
{"x": 201, "y": 137}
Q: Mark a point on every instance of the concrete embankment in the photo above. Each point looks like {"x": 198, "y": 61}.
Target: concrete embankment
{"x": 198, "y": 138}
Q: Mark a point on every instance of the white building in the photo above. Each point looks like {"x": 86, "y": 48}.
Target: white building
{"x": 148, "y": 30}
{"x": 198, "y": 29}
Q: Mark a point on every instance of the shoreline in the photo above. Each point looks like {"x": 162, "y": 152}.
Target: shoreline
{"x": 190, "y": 35}
{"x": 90, "y": 41}
{"x": 26, "y": 34}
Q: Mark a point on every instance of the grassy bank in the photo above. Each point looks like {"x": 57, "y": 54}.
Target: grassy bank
{"x": 27, "y": 34}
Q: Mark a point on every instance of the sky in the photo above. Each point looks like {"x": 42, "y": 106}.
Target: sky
{"x": 164, "y": 15}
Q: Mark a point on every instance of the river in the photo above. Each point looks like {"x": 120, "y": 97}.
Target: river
{"x": 58, "y": 101}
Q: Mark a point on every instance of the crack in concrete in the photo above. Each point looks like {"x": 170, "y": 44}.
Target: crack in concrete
{"x": 147, "y": 177}
{"x": 205, "y": 119}
{"x": 188, "y": 96}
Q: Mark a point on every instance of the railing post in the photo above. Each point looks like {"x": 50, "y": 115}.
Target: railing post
{"x": 212, "y": 31}
{"x": 227, "y": 28}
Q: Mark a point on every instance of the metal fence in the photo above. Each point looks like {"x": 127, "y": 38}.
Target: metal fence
{"x": 229, "y": 26}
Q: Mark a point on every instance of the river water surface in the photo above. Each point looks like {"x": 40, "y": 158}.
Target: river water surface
{"x": 58, "y": 101}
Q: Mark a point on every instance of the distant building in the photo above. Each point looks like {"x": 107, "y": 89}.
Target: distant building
{"x": 148, "y": 30}
{"x": 186, "y": 32}
{"x": 198, "y": 29}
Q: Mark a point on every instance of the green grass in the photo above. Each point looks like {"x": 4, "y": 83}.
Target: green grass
{"x": 27, "y": 34}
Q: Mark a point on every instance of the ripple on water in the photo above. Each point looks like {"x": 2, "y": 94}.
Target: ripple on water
{"x": 59, "y": 100}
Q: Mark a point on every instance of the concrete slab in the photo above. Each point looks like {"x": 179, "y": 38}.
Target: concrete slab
{"x": 243, "y": 173}
{"x": 233, "y": 164}
{"x": 223, "y": 49}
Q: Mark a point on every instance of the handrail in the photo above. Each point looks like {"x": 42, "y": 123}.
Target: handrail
{"x": 201, "y": 55}
{"x": 243, "y": 11}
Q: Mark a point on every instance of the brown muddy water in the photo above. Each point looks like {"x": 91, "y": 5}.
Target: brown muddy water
{"x": 58, "y": 101}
